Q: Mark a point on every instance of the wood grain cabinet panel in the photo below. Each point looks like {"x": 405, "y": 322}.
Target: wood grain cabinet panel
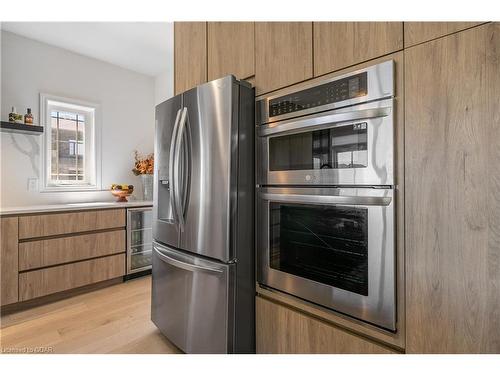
{"x": 283, "y": 54}
{"x": 453, "y": 193}
{"x": 341, "y": 44}
{"x": 190, "y": 55}
{"x": 281, "y": 330}
{"x": 62, "y": 223}
{"x": 50, "y": 280}
{"x": 44, "y": 253}
{"x": 8, "y": 260}
{"x": 231, "y": 49}
{"x": 419, "y": 32}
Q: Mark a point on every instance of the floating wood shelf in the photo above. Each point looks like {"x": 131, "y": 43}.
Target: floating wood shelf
{"x": 12, "y": 127}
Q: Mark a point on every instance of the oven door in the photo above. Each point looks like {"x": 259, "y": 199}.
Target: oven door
{"x": 330, "y": 246}
{"x": 348, "y": 146}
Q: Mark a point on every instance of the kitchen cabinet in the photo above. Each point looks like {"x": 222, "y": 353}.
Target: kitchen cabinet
{"x": 49, "y": 252}
{"x": 283, "y": 330}
{"x": 190, "y": 55}
{"x": 452, "y": 143}
{"x": 32, "y": 226}
{"x": 51, "y": 280}
{"x": 283, "y": 54}
{"x": 231, "y": 49}
{"x": 419, "y": 32}
{"x": 8, "y": 260}
{"x": 341, "y": 44}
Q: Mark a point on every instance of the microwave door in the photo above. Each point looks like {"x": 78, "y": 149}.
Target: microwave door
{"x": 165, "y": 220}
{"x": 208, "y": 131}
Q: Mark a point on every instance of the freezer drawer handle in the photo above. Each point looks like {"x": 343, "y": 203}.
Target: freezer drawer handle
{"x": 183, "y": 265}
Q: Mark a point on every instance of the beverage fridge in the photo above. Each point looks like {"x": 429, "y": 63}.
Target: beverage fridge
{"x": 203, "y": 290}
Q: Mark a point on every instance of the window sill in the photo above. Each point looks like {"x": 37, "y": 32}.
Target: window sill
{"x": 70, "y": 189}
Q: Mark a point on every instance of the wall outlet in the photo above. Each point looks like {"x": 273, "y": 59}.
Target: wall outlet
{"x": 32, "y": 184}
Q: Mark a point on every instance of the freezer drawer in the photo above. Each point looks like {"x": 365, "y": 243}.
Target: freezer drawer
{"x": 192, "y": 301}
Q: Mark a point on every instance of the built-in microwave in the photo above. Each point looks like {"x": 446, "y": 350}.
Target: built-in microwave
{"x": 338, "y": 132}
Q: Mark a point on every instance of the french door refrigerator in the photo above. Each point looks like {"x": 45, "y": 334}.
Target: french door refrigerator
{"x": 203, "y": 288}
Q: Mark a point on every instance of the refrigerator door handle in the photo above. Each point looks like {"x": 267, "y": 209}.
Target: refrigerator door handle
{"x": 171, "y": 177}
{"x": 181, "y": 200}
{"x": 180, "y": 264}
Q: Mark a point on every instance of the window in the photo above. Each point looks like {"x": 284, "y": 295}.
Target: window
{"x": 71, "y": 150}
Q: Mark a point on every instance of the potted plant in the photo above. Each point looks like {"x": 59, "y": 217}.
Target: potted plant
{"x": 144, "y": 167}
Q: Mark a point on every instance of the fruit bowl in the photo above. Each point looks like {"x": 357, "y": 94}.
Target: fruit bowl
{"x": 122, "y": 191}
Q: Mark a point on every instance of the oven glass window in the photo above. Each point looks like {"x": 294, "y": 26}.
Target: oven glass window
{"x": 339, "y": 147}
{"x": 326, "y": 244}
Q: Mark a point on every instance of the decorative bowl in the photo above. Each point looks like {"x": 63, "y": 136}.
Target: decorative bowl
{"x": 122, "y": 194}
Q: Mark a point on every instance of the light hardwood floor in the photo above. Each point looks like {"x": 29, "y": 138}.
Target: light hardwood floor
{"x": 115, "y": 319}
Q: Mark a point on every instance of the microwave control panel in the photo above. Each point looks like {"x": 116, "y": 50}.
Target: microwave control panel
{"x": 327, "y": 93}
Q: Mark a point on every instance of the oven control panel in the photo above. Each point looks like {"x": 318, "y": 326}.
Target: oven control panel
{"x": 331, "y": 92}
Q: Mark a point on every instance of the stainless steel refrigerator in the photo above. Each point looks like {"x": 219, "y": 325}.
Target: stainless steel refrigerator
{"x": 203, "y": 292}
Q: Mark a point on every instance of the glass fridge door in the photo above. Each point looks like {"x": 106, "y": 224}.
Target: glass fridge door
{"x": 140, "y": 238}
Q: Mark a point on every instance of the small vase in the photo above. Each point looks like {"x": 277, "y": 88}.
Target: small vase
{"x": 147, "y": 186}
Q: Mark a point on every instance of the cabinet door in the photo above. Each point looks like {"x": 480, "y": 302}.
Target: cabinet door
{"x": 190, "y": 55}
{"x": 8, "y": 260}
{"x": 419, "y": 32}
{"x": 283, "y": 54}
{"x": 231, "y": 49}
{"x": 452, "y": 190}
{"x": 281, "y": 330}
{"x": 341, "y": 44}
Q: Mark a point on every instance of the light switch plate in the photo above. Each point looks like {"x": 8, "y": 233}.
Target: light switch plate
{"x": 32, "y": 184}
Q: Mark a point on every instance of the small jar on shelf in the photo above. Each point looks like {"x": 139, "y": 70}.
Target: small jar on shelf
{"x": 28, "y": 117}
{"x": 15, "y": 117}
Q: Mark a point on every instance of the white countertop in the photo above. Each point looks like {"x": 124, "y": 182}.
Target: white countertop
{"x": 23, "y": 210}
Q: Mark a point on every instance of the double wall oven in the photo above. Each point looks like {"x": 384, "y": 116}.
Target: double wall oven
{"x": 326, "y": 197}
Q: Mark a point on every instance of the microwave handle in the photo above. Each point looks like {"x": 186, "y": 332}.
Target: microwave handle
{"x": 315, "y": 123}
{"x": 327, "y": 199}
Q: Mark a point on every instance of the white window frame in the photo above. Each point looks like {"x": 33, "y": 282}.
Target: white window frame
{"x": 92, "y": 160}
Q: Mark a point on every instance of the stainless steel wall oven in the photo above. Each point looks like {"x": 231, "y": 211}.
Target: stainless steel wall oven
{"x": 326, "y": 224}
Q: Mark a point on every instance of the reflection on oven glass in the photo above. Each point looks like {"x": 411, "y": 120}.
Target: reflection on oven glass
{"x": 326, "y": 244}
{"x": 339, "y": 147}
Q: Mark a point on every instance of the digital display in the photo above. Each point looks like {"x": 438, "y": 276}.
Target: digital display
{"x": 327, "y": 93}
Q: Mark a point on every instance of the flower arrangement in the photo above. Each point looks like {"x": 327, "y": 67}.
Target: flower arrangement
{"x": 143, "y": 164}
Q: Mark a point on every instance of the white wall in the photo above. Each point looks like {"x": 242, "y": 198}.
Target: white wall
{"x": 126, "y": 100}
{"x": 164, "y": 83}
{"x": 164, "y": 86}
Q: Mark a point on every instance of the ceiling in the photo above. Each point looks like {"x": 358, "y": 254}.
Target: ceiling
{"x": 144, "y": 47}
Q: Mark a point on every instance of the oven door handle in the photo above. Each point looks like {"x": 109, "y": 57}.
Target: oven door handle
{"x": 315, "y": 123}
{"x": 327, "y": 199}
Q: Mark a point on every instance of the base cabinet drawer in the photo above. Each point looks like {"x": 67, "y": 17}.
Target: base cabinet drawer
{"x": 33, "y": 226}
{"x": 281, "y": 330}
{"x": 49, "y": 252}
{"x": 50, "y": 280}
